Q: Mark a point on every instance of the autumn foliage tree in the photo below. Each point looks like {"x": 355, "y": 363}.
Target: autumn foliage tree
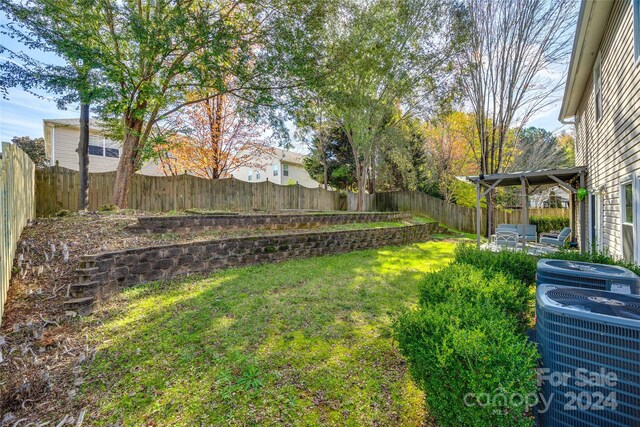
{"x": 211, "y": 139}
{"x": 450, "y": 147}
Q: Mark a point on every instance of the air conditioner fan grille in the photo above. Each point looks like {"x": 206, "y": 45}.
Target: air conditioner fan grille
{"x": 622, "y": 306}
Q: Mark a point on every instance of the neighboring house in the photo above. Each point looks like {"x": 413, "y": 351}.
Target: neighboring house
{"x": 549, "y": 197}
{"x": 61, "y": 137}
{"x": 602, "y": 95}
{"x": 280, "y": 167}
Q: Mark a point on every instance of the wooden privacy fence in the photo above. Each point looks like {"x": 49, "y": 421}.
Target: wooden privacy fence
{"x": 457, "y": 217}
{"x": 57, "y": 188}
{"x": 17, "y": 207}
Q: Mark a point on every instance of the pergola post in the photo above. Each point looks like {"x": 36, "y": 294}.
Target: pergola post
{"x": 478, "y": 212}
{"x": 525, "y": 211}
{"x": 583, "y": 217}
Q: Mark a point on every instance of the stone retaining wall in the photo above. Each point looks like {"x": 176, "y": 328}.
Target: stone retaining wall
{"x": 196, "y": 223}
{"x": 107, "y": 272}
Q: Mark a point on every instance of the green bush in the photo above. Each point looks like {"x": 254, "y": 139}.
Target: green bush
{"x": 475, "y": 286}
{"x": 546, "y": 224}
{"x": 523, "y": 267}
{"x": 517, "y": 264}
{"x": 466, "y": 340}
{"x": 108, "y": 208}
{"x": 463, "y": 350}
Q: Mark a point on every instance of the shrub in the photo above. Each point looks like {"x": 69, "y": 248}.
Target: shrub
{"x": 475, "y": 286}
{"x": 107, "y": 208}
{"x": 460, "y": 350}
{"x": 517, "y": 264}
{"x": 63, "y": 213}
{"x": 546, "y": 224}
{"x": 523, "y": 267}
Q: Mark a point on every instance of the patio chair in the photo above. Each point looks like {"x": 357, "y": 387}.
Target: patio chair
{"x": 557, "y": 240}
{"x": 504, "y": 237}
{"x": 506, "y": 227}
{"x": 530, "y": 232}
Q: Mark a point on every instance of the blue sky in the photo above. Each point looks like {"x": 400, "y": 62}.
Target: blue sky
{"x": 21, "y": 114}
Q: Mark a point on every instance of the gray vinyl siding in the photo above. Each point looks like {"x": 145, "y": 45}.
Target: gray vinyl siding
{"x": 610, "y": 147}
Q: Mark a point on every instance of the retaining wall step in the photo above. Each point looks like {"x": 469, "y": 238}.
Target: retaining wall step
{"x": 81, "y": 305}
{"x": 87, "y": 271}
{"x": 79, "y": 289}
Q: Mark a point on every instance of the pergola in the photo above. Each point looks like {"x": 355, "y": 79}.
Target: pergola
{"x": 565, "y": 178}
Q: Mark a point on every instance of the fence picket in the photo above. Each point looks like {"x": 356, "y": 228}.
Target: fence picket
{"x": 17, "y": 207}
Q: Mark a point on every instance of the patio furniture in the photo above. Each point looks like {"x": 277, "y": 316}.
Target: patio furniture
{"x": 530, "y": 231}
{"x": 557, "y": 240}
{"x": 504, "y": 237}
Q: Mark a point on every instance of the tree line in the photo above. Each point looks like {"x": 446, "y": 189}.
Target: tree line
{"x": 389, "y": 94}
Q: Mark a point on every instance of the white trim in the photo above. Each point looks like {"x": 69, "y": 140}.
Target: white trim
{"x": 598, "y": 65}
{"x": 636, "y": 30}
{"x": 629, "y": 179}
{"x": 53, "y": 145}
{"x": 595, "y": 206}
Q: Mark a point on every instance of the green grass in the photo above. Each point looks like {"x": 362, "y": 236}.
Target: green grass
{"x": 304, "y": 342}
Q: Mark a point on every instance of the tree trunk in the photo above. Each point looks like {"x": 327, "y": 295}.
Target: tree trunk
{"x": 128, "y": 162}
{"x": 83, "y": 158}
{"x": 325, "y": 174}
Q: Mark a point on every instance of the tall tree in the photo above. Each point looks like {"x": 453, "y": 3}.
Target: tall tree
{"x": 513, "y": 46}
{"x": 448, "y": 141}
{"x": 150, "y": 54}
{"x": 538, "y": 148}
{"x": 59, "y": 27}
{"x": 332, "y": 158}
{"x": 211, "y": 139}
{"x": 382, "y": 55}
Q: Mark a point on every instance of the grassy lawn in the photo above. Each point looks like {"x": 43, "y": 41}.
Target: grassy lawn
{"x": 304, "y": 342}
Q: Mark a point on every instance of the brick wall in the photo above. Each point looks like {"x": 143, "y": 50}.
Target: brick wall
{"x": 195, "y": 223}
{"x": 107, "y": 272}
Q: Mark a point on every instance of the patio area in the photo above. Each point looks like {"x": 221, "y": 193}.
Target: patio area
{"x": 536, "y": 249}
{"x": 571, "y": 180}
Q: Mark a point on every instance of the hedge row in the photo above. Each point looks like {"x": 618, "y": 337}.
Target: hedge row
{"x": 523, "y": 267}
{"x": 546, "y": 224}
{"x": 466, "y": 347}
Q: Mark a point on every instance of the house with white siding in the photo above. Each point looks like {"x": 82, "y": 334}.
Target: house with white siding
{"x": 280, "y": 167}
{"x": 602, "y": 100}
{"x": 61, "y": 137}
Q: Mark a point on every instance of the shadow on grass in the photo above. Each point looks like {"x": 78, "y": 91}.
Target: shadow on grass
{"x": 301, "y": 342}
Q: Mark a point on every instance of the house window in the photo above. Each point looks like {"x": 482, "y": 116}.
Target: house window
{"x": 275, "y": 169}
{"x": 627, "y": 206}
{"x": 285, "y": 170}
{"x": 111, "y": 149}
{"x": 597, "y": 86}
{"x": 249, "y": 177}
{"x": 100, "y": 146}
{"x": 96, "y": 145}
{"x": 257, "y": 175}
{"x": 636, "y": 29}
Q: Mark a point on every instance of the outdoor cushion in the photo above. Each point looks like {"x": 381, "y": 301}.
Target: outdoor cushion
{"x": 556, "y": 240}
{"x": 531, "y": 232}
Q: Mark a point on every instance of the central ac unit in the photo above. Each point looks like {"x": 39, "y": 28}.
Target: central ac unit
{"x": 588, "y": 275}
{"x": 589, "y": 341}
